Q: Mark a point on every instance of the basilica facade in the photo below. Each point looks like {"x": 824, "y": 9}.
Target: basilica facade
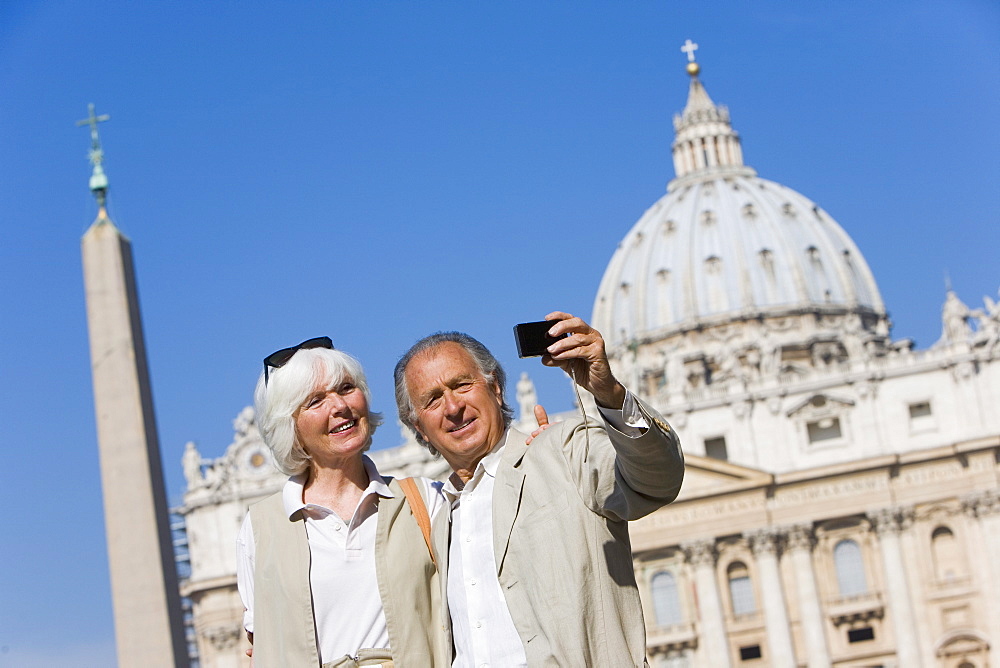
{"x": 841, "y": 505}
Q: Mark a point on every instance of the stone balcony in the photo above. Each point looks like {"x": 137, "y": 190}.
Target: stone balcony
{"x": 675, "y": 636}
{"x": 855, "y": 608}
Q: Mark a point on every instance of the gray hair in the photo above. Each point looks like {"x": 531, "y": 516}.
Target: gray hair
{"x": 488, "y": 366}
{"x": 277, "y": 399}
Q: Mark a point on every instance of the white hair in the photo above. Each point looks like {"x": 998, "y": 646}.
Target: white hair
{"x": 278, "y": 398}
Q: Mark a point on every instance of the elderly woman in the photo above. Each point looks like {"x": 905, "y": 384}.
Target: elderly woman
{"x": 334, "y": 569}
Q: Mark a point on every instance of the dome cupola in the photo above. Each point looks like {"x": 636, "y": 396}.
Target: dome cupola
{"x": 706, "y": 143}
{"x": 726, "y": 251}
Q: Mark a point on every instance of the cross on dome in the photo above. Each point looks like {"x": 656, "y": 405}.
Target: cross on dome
{"x": 689, "y": 48}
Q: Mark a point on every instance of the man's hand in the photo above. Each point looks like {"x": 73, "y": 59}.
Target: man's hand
{"x": 543, "y": 423}
{"x": 583, "y": 356}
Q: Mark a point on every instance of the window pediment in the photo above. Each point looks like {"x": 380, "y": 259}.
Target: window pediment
{"x": 819, "y": 406}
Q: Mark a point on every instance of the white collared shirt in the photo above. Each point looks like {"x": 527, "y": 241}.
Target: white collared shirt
{"x": 346, "y": 601}
{"x": 482, "y": 626}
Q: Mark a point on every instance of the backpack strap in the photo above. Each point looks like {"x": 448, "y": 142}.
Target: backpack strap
{"x": 419, "y": 510}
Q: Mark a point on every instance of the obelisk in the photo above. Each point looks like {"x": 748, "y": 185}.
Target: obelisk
{"x": 149, "y": 628}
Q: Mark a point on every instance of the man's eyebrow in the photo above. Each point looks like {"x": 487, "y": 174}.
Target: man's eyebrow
{"x": 438, "y": 390}
{"x": 429, "y": 394}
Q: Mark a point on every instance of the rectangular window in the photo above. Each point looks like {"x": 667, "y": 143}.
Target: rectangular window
{"x": 716, "y": 448}
{"x": 861, "y": 635}
{"x": 655, "y": 382}
{"x": 921, "y": 416}
{"x": 750, "y": 652}
{"x": 826, "y": 429}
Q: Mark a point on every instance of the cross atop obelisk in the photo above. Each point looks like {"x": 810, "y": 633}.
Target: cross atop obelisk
{"x": 98, "y": 180}
{"x": 149, "y": 627}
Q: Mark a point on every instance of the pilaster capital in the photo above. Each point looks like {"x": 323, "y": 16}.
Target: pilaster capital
{"x": 982, "y": 503}
{"x": 801, "y": 537}
{"x": 765, "y": 540}
{"x": 700, "y": 552}
{"x": 222, "y": 637}
{"x": 891, "y": 520}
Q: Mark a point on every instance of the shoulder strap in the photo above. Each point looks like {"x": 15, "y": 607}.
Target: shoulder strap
{"x": 418, "y": 509}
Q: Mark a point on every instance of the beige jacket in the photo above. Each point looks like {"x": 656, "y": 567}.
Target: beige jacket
{"x": 284, "y": 631}
{"x": 560, "y": 532}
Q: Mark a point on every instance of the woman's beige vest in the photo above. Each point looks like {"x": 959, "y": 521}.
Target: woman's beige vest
{"x": 284, "y": 629}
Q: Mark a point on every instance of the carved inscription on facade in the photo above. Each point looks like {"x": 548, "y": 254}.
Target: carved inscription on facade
{"x": 829, "y": 490}
{"x": 677, "y": 515}
{"x": 947, "y": 471}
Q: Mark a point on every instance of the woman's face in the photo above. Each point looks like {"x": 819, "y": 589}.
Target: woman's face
{"x": 332, "y": 425}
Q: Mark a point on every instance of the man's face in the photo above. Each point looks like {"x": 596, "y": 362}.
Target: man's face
{"x": 457, "y": 410}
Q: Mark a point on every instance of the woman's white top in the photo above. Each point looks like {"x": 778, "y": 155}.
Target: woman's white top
{"x": 346, "y": 601}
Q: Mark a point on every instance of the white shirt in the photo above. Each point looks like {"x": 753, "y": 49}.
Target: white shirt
{"x": 346, "y": 601}
{"x": 482, "y": 627}
{"x": 483, "y": 630}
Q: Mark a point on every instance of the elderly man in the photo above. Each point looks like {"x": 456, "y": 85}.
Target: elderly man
{"x": 540, "y": 566}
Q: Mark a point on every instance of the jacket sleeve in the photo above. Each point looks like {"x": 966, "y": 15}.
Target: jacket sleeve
{"x": 620, "y": 477}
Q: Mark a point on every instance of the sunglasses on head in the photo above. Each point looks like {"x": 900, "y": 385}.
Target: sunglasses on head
{"x": 280, "y": 358}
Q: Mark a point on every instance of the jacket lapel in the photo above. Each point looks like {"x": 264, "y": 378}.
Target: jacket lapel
{"x": 440, "y": 539}
{"x": 507, "y": 493}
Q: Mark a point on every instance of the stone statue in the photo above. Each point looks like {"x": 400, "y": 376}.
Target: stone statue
{"x": 191, "y": 461}
{"x": 851, "y": 334}
{"x": 730, "y": 370}
{"x": 673, "y": 371}
{"x": 989, "y": 321}
{"x": 527, "y": 398}
{"x": 955, "y": 319}
{"x": 241, "y": 425}
{"x": 751, "y": 363}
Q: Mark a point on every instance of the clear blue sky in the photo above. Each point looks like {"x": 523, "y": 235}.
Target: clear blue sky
{"x": 377, "y": 171}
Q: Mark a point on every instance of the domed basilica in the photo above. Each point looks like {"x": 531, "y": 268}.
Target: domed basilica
{"x": 840, "y": 505}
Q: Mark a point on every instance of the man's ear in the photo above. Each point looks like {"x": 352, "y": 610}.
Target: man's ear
{"x": 415, "y": 426}
{"x": 497, "y": 392}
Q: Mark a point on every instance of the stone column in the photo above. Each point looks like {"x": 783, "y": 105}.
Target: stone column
{"x": 713, "y": 643}
{"x": 888, "y": 522}
{"x": 764, "y": 543}
{"x": 983, "y": 509}
{"x": 800, "y": 544}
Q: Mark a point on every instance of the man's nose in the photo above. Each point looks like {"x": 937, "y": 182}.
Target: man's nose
{"x": 453, "y": 404}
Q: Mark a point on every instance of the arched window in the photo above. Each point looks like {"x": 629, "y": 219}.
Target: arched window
{"x": 741, "y": 589}
{"x": 850, "y": 568}
{"x": 666, "y": 604}
{"x": 948, "y": 561}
